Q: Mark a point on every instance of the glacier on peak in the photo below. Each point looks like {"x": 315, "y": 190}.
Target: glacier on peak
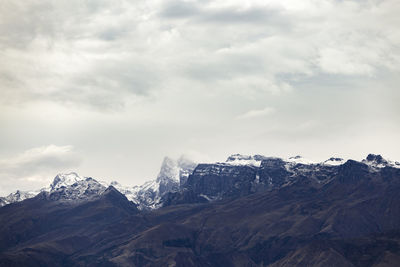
{"x": 64, "y": 180}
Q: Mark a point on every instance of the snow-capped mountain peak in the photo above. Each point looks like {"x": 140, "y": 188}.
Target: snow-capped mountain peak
{"x": 64, "y": 186}
{"x": 64, "y": 180}
{"x": 81, "y": 189}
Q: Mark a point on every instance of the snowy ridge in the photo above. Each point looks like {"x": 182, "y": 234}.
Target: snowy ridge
{"x": 238, "y": 159}
{"x": 60, "y": 181}
{"x": 300, "y": 160}
{"x": 372, "y": 160}
{"x": 128, "y": 191}
{"x": 65, "y": 186}
{"x": 17, "y": 196}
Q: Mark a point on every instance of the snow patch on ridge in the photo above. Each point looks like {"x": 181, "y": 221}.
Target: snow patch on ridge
{"x": 300, "y": 160}
{"x": 238, "y": 160}
{"x": 334, "y": 161}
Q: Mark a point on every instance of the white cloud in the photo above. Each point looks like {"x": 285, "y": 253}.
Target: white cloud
{"x": 36, "y": 167}
{"x": 342, "y": 62}
{"x": 256, "y": 113}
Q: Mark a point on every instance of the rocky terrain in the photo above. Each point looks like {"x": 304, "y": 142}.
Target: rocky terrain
{"x": 147, "y": 196}
{"x": 244, "y": 175}
{"x": 247, "y": 211}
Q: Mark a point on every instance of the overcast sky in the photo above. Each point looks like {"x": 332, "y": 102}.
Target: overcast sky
{"x": 107, "y": 88}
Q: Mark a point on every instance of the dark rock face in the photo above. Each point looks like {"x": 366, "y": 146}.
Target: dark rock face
{"x": 352, "y": 171}
{"x": 273, "y": 172}
{"x": 222, "y": 181}
{"x": 376, "y": 158}
{"x": 185, "y": 196}
{"x": 215, "y": 180}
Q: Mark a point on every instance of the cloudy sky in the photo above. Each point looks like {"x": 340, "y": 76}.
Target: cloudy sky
{"x": 107, "y": 88}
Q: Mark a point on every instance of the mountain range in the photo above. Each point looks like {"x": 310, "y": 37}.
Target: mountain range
{"x": 147, "y": 196}
{"x": 246, "y": 211}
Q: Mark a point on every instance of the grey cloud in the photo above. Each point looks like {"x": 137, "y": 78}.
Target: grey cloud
{"x": 101, "y": 53}
{"x": 71, "y": 52}
{"x": 40, "y": 158}
{"x": 111, "y": 34}
{"x": 253, "y": 16}
{"x": 226, "y": 15}
{"x": 179, "y": 9}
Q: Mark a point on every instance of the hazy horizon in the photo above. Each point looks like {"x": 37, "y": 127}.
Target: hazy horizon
{"x": 107, "y": 89}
